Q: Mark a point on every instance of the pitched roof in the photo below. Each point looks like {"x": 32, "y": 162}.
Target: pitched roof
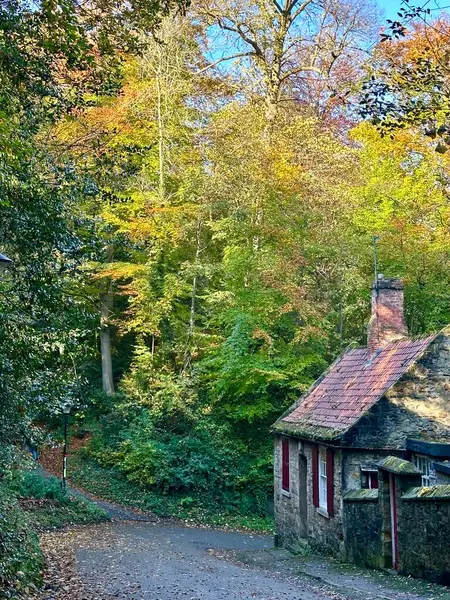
{"x": 350, "y": 387}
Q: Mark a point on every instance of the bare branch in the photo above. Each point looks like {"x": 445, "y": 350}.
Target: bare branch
{"x": 238, "y": 29}
{"x": 225, "y": 58}
{"x": 300, "y": 9}
{"x": 278, "y": 6}
{"x": 301, "y": 70}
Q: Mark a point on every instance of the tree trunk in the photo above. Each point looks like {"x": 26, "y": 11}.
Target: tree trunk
{"x": 191, "y": 329}
{"x": 106, "y": 306}
{"x": 162, "y": 186}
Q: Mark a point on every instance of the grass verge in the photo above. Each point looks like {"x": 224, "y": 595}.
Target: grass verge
{"x": 113, "y": 485}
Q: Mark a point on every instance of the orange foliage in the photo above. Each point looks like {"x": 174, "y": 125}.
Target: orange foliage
{"x": 423, "y": 41}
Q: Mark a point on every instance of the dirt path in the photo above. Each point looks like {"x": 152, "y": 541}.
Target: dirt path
{"x": 167, "y": 561}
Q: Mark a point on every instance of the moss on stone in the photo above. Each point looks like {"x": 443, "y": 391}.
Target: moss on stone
{"x": 399, "y": 466}
{"x": 435, "y": 492}
{"x": 303, "y": 430}
{"x": 361, "y": 496}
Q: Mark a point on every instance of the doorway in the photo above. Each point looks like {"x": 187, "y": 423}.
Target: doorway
{"x": 394, "y": 525}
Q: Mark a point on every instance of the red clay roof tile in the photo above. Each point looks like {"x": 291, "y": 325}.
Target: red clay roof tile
{"x": 354, "y": 384}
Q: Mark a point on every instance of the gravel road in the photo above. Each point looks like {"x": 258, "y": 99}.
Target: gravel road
{"x": 137, "y": 556}
{"x": 169, "y": 562}
{"x": 133, "y": 560}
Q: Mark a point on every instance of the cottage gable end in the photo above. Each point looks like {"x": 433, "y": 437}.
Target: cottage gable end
{"x": 423, "y": 393}
{"x": 417, "y": 406}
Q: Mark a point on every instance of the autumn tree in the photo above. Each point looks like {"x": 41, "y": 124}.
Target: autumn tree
{"x": 291, "y": 47}
{"x": 407, "y": 84}
{"x": 143, "y": 159}
{"x": 403, "y": 200}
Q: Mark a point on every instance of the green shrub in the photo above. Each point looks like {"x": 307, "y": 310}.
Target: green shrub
{"x": 61, "y": 509}
{"x": 206, "y": 460}
{"x": 33, "y": 484}
{"x": 75, "y": 512}
{"x": 20, "y": 557}
{"x": 113, "y": 485}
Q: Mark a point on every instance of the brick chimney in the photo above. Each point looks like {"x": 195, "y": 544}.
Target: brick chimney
{"x": 387, "y": 323}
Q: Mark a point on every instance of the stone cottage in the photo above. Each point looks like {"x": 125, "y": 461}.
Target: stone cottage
{"x": 387, "y": 404}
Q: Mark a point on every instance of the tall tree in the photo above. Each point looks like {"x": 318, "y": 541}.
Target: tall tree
{"x": 403, "y": 199}
{"x": 143, "y": 158}
{"x": 38, "y": 337}
{"x": 407, "y": 83}
{"x": 292, "y": 46}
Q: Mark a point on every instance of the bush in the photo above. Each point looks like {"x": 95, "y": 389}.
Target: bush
{"x": 33, "y": 484}
{"x": 20, "y": 557}
{"x": 206, "y": 460}
{"x": 61, "y": 509}
{"x": 113, "y": 485}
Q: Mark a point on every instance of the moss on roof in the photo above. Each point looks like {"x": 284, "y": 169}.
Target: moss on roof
{"x": 435, "y": 492}
{"x": 304, "y": 430}
{"x": 361, "y": 496}
{"x": 393, "y": 464}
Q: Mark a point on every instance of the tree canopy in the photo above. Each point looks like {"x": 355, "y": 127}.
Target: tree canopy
{"x": 189, "y": 193}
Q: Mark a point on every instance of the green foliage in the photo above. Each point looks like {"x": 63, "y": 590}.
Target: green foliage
{"x": 223, "y": 231}
{"x": 20, "y": 557}
{"x": 113, "y": 485}
{"x": 58, "y": 508}
{"x": 33, "y": 484}
{"x": 41, "y": 326}
{"x": 404, "y": 201}
{"x": 199, "y": 459}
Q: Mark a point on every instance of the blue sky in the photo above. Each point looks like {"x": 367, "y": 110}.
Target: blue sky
{"x": 391, "y": 6}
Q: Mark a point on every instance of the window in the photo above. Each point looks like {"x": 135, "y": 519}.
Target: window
{"x": 323, "y": 480}
{"x": 323, "y": 495}
{"x": 369, "y": 479}
{"x": 285, "y": 483}
{"x": 428, "y": 473}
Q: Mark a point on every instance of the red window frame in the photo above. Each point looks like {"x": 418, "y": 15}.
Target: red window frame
{"x": 369, "y": 479}
{"x": 330, "y": 478}
{"x": 285, "y": 474}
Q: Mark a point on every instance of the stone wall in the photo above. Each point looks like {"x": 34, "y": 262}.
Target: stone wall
{"x": 362, "y": 528}
{"x": 424, "y": 534}
{"x": 352, "y": 463}
{"x": 325, "y": 533}
{"x": 287, "y": 514}
{"x": 322, "y": 532}
{"x": 423, "y": 527}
